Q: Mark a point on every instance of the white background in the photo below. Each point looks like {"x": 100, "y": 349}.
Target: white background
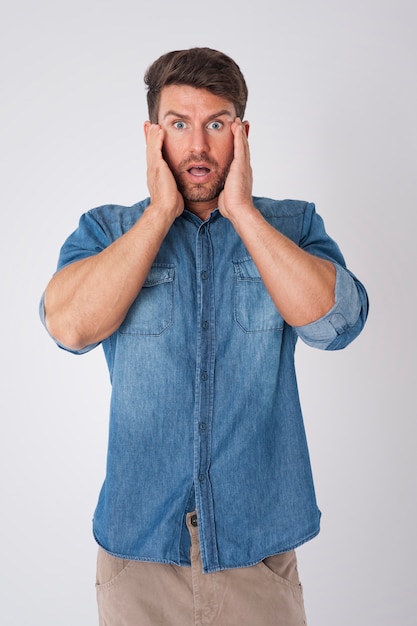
{"x": 333, "y": 108}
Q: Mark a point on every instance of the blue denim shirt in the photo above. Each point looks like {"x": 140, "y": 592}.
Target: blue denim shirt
{"x": 205, "y": 410}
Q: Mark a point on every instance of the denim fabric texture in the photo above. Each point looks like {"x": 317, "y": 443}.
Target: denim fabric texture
{"x": 205, "y": 412}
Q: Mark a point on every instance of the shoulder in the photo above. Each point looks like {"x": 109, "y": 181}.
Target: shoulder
{"x": 97, "y": 229}
{"x": 291, "y": 217}
{"x": 116, "y": 218}
{"x": 282, "y": 208}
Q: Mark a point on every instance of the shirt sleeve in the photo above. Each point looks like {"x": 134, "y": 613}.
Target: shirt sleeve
{"x": 345, "y": 320}
{"x": 88, "y": 239}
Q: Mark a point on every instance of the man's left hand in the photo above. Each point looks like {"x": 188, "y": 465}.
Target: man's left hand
{"x": 237, "y": 191}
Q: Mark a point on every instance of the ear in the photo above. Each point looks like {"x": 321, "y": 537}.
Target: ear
{"x": 246, "y": 126}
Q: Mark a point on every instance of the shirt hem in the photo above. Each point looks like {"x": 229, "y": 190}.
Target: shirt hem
{"x": 208, "y": 570}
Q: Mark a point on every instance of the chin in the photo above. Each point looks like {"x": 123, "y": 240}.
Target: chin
{"x": 201, "y": 193}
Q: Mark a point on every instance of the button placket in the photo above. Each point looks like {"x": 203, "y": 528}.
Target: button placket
{"x": 204, "y": 392}
{"x": 205, "y": 347}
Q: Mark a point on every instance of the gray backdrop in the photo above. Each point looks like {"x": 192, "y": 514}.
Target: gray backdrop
{"x": 332, "y": 108}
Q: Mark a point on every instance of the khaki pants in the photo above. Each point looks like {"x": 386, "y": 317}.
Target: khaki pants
{"x": 134, "y": 593}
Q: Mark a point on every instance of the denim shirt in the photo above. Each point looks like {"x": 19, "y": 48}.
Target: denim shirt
{"x": 205, "y": 412}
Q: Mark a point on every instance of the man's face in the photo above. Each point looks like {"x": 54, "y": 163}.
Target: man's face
{"x": 198, "y": 142}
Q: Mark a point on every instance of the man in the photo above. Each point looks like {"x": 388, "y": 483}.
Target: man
{"x": 198, "y": 295}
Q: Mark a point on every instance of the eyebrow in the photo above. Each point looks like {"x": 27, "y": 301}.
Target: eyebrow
{"x": 173, "y": 113}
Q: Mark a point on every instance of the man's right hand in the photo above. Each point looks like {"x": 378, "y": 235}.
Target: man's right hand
{"x": 161, "y": 182}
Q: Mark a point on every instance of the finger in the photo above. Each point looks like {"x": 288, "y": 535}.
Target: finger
{"x": 154, "y": 143}
{"x": 154, "y": 137}
{"x": 241, "y": 144}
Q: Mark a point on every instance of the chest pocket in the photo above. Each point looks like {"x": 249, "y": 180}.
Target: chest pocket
{"x": 254, "y": 310}
{"x": 153, "y": 310}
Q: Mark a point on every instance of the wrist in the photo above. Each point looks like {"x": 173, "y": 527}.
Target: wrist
{"x": 164, "y": 210}
{"x": 245, "y": 212}
{"x": 158, "y": 218}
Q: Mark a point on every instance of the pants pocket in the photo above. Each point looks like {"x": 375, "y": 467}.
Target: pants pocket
{"x": 283, "y": 567}
{"x": 109, "y": 569}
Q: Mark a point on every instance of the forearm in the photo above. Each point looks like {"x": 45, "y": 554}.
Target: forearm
{"x": 300, "y": 284}
{"x": 86, "y": 301}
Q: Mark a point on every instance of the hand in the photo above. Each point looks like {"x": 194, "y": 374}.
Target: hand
{"x": 161, "y": 182}
{"x": 237, "y": 191}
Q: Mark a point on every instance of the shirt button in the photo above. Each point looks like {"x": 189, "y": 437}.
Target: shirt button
{"x": 204, "y": 275}
{"x": 205, "y": 325}
{"x": 203, "y": 426}
{"x": 193, "y": 520}
{"x": 202, "y": 478}
{"x": 204, "y": 376}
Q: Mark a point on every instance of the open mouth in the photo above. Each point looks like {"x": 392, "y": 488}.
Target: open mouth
{"x": 197, "y": 170}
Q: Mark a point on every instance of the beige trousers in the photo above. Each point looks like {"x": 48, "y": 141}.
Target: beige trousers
{"x": 134, "y": 593}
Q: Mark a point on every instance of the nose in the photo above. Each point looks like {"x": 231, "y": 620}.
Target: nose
{"x": 199, "y": 140}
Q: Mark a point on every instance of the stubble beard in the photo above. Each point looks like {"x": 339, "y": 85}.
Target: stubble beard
{"x": 200, "y": 192}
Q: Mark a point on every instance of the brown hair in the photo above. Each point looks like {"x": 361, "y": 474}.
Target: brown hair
{"x": 202, "y": 68}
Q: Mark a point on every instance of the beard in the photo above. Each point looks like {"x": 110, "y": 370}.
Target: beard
{"x": 195, "y": 192}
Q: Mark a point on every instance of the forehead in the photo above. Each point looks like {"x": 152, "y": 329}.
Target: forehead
{"x": 192, "y": 102}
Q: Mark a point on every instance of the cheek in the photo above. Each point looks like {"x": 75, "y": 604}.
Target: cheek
{"x": 171, "y": 149}
{"x": 167, "y": 151}
{"x": 226, "y": 152}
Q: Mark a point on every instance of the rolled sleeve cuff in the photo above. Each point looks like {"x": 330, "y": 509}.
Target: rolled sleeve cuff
{"x": 341, "y": 317}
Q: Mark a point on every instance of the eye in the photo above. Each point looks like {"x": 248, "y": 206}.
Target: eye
{"x": 179, "y": 125}
{"x": 215, "y": 125}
